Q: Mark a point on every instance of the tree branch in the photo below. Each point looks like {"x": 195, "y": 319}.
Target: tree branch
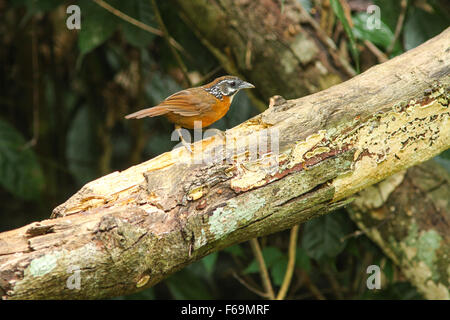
{"x": 131, "y": 229}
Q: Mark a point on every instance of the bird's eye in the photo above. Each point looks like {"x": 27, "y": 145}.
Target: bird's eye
{"x": 233, "y": 83}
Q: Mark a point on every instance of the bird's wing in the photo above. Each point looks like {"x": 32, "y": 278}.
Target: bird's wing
{"x": 186, "y": 103}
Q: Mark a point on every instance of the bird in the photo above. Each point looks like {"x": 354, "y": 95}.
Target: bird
{"x": 205, "y": 104}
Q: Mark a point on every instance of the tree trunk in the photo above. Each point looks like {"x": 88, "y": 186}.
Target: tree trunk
{"x": 129, "y": 230}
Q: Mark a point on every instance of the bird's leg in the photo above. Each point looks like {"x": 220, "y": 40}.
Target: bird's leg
{"x": 185, "y": 144}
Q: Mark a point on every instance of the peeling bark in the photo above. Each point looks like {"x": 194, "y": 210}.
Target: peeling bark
{"x": 131, "y": 229}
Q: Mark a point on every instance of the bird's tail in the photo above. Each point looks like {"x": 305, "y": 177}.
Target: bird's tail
{"x": 149, "y": 112}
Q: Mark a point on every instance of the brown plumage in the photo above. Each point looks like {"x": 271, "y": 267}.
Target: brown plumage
{"x": 207, "y": 103}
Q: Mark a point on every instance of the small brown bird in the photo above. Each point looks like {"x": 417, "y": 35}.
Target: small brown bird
{"x": 207, "y": 104}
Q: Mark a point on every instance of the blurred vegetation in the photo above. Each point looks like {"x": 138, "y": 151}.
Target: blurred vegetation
{"x": 64, "y": 95}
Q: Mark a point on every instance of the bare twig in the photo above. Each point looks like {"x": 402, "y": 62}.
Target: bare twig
{"x": 328, "y": 42}
{"x": 377, "y": 52}
{"x": 311, "y": 286}
{"x": 262, "y": 268}
{"x": 335, "y": 286}
{"x": 248, "y": 55}
{"x": 291, "y": 264}
{"x": 399, "y": 26}
{"x": 207, "y": 76}
{"x": 136, "y": 23}
{"x": 172, "y": 48}
{"x": 249, "y": 287}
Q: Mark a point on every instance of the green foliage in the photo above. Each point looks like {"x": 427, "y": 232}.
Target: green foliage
{"x": 323, "y": 236}
{"x": 194, "y": 54}
{"x": 444, "y": 159}
{"x": 421, "y": 26}
{"x": 270, "y": 255}
{"x": 381, "y": 37}
{"x": 390, "y": 11}
{"x": 339, "y": 11}
{"x": 209, "y": 262}
{"x": 235, "y": 250}
{"x": 82, "y": 147}
{"x": 140, "y": 10}
{"x": 388, "y": 270}
{"x": 20, "y": 172}
{"x": 418, "y": 27}
{"x": 97, "y": 25}
{"x": 302, "y": 260}
{"x": 37, "y": 6}
{"x": 276, "y": 263}
{"x": 278, "y": 270}
{"x": 395, "y": 291}
{"x": 189, "y": 283}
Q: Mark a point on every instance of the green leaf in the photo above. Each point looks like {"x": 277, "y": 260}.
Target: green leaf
{"x": 187, "y": 285}
{"x": 195, "y": 55}
{"x": 270, "y": 254}
{"x": 82, "y": 147}
{"x": 445, "y": 154}
{"x": 160, "y": 87}
{"x": 35, "y": 6}
{"x": 97, "y": 25}
{"x": 302, "y": 260}
{"x": 140, "y": 10}
{"x": 421, "y": 26}
{"x": 235, "y": 250}
{"x": 389, "y": 12}
{"x": 20, "y": 172}
{"x": 381, "y": 36}
{"x": 253, "y": 267}
{"x": 278, "y": 270}
{"x": 322, "y": 236}
{"x": 388, "y": 270}
{"x": 339, "y": 11}
{"x": 209, "y": 262}
{"x": 444, "y": 159}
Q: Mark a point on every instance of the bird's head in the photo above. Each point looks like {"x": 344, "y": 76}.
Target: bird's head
{"x": 227, "y": 86}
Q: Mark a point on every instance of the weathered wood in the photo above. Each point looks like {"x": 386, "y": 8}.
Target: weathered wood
{"x": 130, "y": 229}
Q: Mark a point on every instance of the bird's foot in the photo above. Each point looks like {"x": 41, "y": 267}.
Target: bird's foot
{"x": 183, "y": 142}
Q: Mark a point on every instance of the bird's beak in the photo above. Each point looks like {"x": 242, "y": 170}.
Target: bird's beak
{"x": 244, "y": 85}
